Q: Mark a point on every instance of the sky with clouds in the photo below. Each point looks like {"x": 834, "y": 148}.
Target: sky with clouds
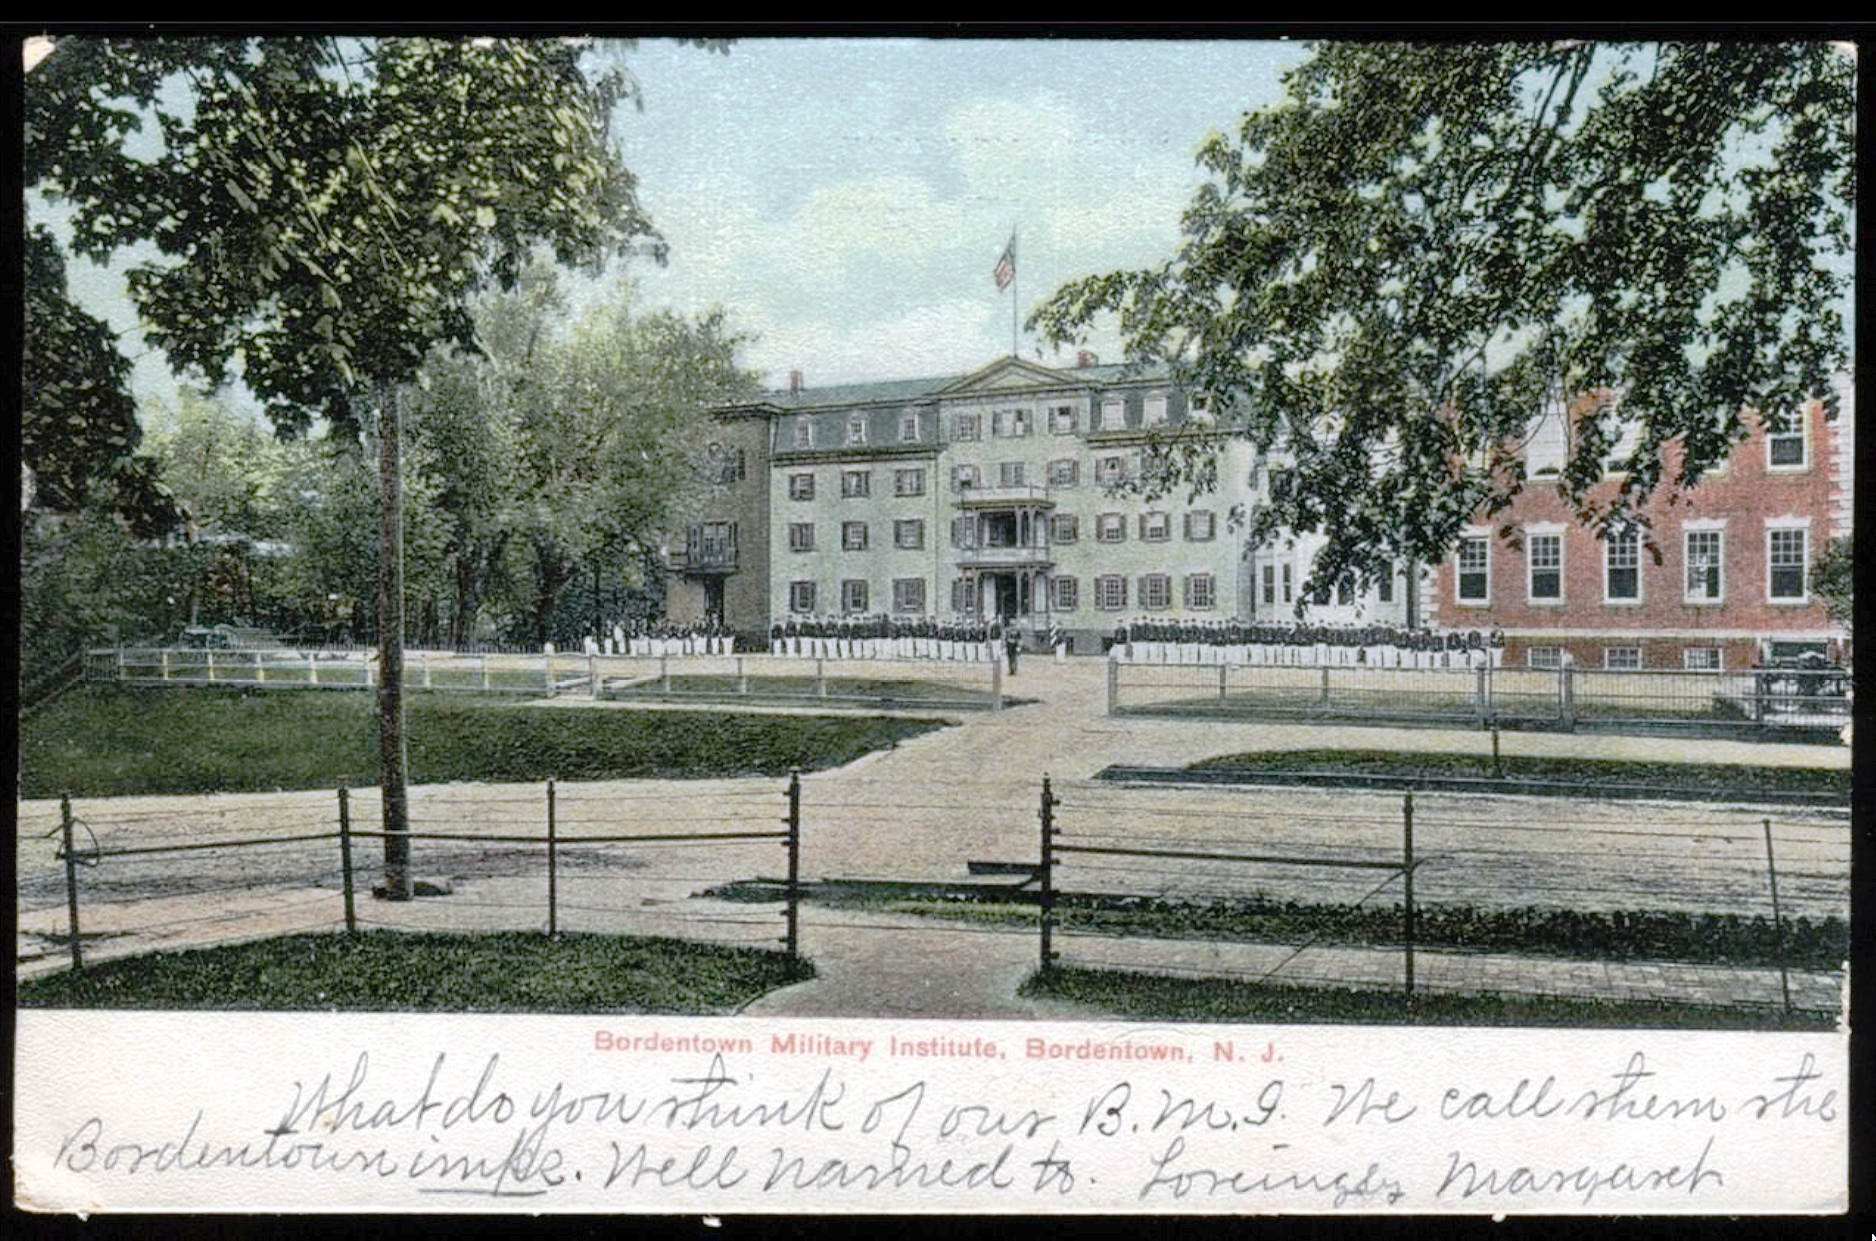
{"x": 848, "y": 199}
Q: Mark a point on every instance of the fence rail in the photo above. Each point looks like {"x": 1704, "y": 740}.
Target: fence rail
{"x": 883, "y": 683}
{"x": 549, "y": 850}
{"x": 1568, "y": 698}
{"x": 1531, "y": 897}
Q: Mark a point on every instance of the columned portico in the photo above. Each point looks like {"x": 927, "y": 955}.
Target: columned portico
{"x": 1003, "y": 537}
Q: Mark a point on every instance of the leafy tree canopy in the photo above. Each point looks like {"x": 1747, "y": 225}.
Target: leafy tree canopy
{"x": 1833, "y": 579}
{"x": 1390, "y": 273}
{"x": 78, "y": 424}
{"x": 326, "y": 206}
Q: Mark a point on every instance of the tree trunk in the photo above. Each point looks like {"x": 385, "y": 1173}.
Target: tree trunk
{"x": 393, "y": 758}
{"x": 552, "y": 573}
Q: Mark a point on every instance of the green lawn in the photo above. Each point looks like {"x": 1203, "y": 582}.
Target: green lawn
{"x": 1156, "y": 997}
{"x": 395, "y": 971}
{"x": 1728, "y": 939}
{"x": 103, "y": 741}
{"x": 1394, "y": 764}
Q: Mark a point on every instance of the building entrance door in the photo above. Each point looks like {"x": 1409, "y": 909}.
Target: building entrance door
{"x": 1001, "y": 599}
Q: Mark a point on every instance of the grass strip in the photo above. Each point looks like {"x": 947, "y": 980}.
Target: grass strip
{"x": 1157, "y": 997}
{"x": 104, "y": 741}
{"x": 394, "y": 971}
{"x": 1394, "y": 764}
{"x": 1726, "y": 939}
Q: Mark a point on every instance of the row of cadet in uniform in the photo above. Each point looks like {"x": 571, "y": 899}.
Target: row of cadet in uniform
{"x": 963, "y": 639}
{"x": 1158, "y": 641}
{"x": 660, "y": 637}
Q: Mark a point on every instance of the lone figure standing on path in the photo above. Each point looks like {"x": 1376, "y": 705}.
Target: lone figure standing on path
{"x": 1013, "y": 644}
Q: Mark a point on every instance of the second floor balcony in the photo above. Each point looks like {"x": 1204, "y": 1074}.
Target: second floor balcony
{"x": 709, "y": 547}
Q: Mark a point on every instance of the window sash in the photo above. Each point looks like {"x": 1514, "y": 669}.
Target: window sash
{"x": 1546, "y": 552}
{"x": 1064, "y": 528}
{"x": 1155, "y": 591}
{"x": 801, "y": 486}
{"x": 853, "y": 596}
{"x": 1474, "y": 570}
{"x": 1065, "y": 592}
{"x": 908, "y": 594}
{"x": 801, "y": 596}
{"x": 1110, "y": 592}
{"x": 1785, "y": 564}
{"x": 853, "y": 536}
{"x": 801, "y": 536}
{"x": 1622, "y": 576}
{"x": 908, "y": 533}
{"x": 908, "y": 482}
{"x": 1705, "y": 549}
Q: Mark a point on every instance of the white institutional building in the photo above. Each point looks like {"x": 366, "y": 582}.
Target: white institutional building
{"x": 1010, "y": 492}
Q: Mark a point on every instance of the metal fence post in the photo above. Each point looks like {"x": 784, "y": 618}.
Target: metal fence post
{"x": 1566, "y": 698}
{"x": 1407, "y": 886}
{"x": 547, "y": 668}
{"x": 210, "y": 652}
{"x": 260, "y": 669}
{"x": 1325, "y": 685}
{"x": 312, "y": 668}
{"x": 1113, "y": 686}
{"x": 71, "y": 877}
{"x": 1223, "y": 671}
{"x": 553, "y": 873}
{"x": 820, "y": 677}
{"x": 1778, "y": 922}
{"x": 996, "y": 682}
{"x": 345, "y": 856}
{"x": 742, "y": 677}
{"x": 165, "y": 656}
{"x": 664, "y": 673}
{"x": 1481, "y": 694}
{"x": 1046, "y": 869}
{"x": 483, "y": 660}
{"x": 592, "y": 676}
{"x": 793, "y": 912}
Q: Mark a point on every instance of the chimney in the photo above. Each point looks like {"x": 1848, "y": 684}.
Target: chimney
{"x": 1085, "y": 358}
{"x": 794, "y": 383}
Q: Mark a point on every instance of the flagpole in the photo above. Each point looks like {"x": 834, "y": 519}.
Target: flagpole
{"x": 1015, "y": 296}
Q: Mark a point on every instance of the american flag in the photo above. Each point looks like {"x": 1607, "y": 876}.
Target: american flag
{"x": 1006, "y": 266}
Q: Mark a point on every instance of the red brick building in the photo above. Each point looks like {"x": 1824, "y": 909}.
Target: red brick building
{"x": 1732, "y": 585}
